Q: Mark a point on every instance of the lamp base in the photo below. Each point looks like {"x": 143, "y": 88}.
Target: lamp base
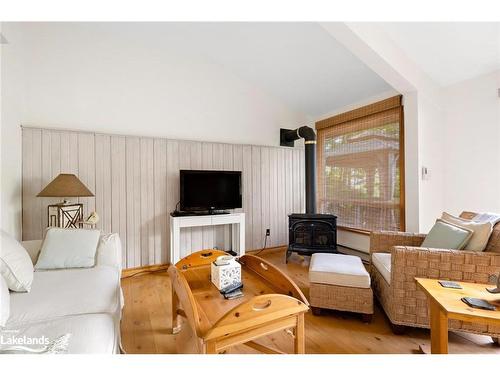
{"x": 65, "y": 215}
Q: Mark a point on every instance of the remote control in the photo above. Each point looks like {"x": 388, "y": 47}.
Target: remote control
{"x": 450, "y": 284}
{"x": 233, "y": 295}
{"x": 231, "y": 288}
{"x": 478, "y": 303}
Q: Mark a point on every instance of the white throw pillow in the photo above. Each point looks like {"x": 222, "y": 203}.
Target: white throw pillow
{"x": 4, "y": 302}
{"x": 481, "y": 231}
{"x": 109, "y": 251}
{"x": 68, "y": 248}
{"x": 15, "y": 264}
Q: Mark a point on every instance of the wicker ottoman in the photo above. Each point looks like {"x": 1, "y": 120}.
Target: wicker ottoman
{"x": 340, "y": 282}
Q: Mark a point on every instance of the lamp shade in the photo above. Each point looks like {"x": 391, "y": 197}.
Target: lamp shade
{"x": 65, "y": 185}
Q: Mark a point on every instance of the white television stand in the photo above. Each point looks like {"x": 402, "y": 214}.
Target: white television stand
{"x": 237, "y": 221}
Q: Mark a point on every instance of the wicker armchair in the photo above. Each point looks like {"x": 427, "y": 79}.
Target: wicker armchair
{"x": 403, "y": 302}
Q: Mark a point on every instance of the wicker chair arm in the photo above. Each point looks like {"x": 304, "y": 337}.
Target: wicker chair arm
{"x": 383, "y": 241}
{"x": 458, "y": 265}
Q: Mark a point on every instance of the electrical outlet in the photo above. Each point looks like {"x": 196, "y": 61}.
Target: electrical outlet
{"x": 268, "y": 232}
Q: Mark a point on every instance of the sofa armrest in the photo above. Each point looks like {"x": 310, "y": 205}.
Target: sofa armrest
{"x": 109, "y": 251}
{"x": 408, "y": 262}
{"x": 33, "y": 248}
{"x": 383, "y": 241}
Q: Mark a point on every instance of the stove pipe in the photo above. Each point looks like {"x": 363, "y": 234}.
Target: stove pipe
{"x": 289, "y": 136}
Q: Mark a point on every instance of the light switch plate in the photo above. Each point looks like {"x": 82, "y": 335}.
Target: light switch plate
{"x": 426, "y": 173}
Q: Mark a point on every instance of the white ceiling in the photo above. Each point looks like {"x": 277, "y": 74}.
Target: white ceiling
{"x": 449, "y": 52}
{"x": 303, "y": 65}
{"x": 300, "y": 63}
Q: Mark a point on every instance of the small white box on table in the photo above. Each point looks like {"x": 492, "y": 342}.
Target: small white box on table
{"x": 225, "y": 271}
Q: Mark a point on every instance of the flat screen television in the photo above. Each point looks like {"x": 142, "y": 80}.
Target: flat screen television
{"x": 209, "y": 190}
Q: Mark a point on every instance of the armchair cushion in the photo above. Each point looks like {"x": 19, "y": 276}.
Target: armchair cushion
{"x": 109, "y": 251}
{"x": 382, "y": 262}
{"x": 15, "y": 264}
{"x": 493, "y": 245}
{"x": 4, "y": 302}
{"x": 481, "y": 231}
{"x": 444, "y": 235}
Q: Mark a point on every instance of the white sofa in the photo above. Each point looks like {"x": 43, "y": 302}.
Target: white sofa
{"x": 85, "y": 302}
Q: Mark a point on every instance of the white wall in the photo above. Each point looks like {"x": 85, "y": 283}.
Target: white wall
{"x": 12, "y": 109}
{"x": 1, "y": 179}
{"x": 115, "y": 79}
{"x": 472, "y": 152}
{"x": 431, "y": 143}
{"x": 102, "y": 78}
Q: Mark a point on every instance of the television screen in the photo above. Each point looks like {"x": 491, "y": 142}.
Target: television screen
{"x": 209, "y": 190}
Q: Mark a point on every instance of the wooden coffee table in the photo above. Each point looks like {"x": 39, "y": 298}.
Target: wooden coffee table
{"x": 272, "y": 302}
{"x": 445, "y": 303}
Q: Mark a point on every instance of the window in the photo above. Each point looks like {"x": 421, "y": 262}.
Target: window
{"x": 361, "y": 167}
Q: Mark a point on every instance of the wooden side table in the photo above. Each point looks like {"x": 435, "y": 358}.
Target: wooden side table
{"x": 237, "y": 221}
{"x": 445, "y": 304}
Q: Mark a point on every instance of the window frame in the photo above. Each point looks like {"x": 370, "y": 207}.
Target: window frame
{"x": 358, "y": 113}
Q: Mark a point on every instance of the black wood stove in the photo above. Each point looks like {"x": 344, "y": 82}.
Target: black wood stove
{"x": 309, "y": 232}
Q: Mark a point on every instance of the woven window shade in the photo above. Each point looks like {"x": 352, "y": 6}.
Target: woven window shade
{"x": 360, "y": 167}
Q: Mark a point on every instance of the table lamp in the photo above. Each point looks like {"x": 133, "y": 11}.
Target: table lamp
{"x": 65, "y": 214}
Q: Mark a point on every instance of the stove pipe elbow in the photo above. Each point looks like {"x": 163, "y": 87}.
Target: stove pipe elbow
{"x": 305, "y": 132}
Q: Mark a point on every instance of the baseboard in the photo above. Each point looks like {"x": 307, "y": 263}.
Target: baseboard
{"x": 349, "y": 251}
{"x": 128, "y": 272}
{"x": 268, "y": 249}
{"x": 342, "y": 249}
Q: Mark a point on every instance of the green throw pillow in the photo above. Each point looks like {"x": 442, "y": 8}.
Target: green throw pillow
{"x": 444, "y": 235}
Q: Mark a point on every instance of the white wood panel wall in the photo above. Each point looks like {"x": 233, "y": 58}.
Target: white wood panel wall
{"x": 136, "y": 184}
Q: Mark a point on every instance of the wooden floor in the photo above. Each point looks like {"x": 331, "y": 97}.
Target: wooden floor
{"x": 145, "y": 323}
